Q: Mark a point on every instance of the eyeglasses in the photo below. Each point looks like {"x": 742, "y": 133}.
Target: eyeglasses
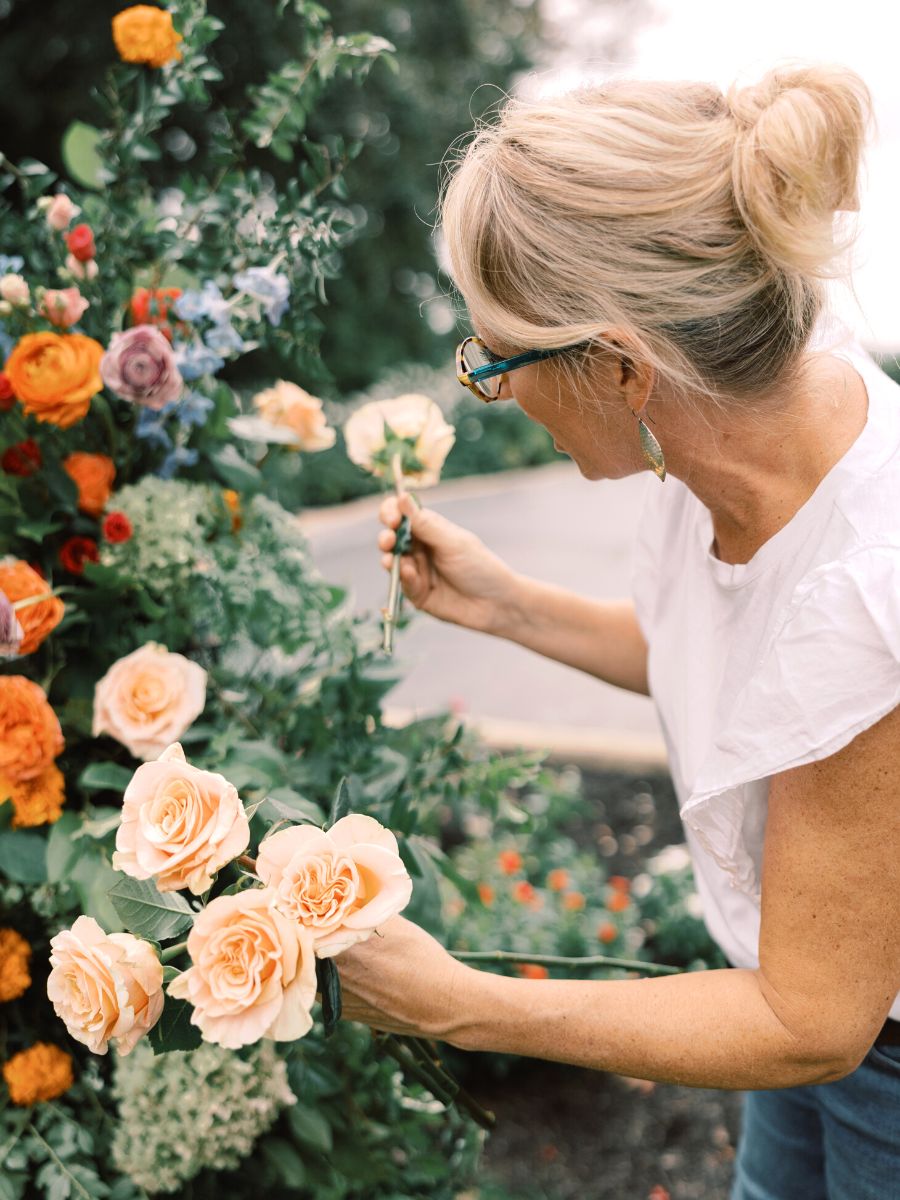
{"x": 482, "y": 371}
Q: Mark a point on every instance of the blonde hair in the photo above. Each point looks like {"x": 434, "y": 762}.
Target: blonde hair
{"x": 701, "y": 223}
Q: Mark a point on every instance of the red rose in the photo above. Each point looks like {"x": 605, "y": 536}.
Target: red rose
{"x": 117, "y": 527}
{"x": 7, "y": 395}
{"x": 80, "y": 241}
{"x": 22, "y": 459}
{"x": 74, "y": 553}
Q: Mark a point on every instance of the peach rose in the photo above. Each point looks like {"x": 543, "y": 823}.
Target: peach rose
{"x": 63, "y": 306}
{"x": 93, "y": 475}
{"x": 148, "y": 699}
{"x": 38, "y": 618}
{"x": 412, "y": 418}
{"x": 289, "y": 407}
{"x": 80, "y": 270}
{"x": 59, "y": 211}
{"x": 340, "y": 884}
{"x": 14, "y": 290}
{"x": 55, "y": 375}
{"x": 180, "y": 825}
{"x": 30, "y": 734}
{"x": 105, "y": 987}
{"x": 253, "y": 972}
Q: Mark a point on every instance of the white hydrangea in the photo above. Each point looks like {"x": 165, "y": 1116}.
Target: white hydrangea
{"x": 182, "y": 1112}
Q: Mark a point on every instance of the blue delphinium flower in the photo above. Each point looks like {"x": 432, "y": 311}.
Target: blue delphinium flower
{"x": 6, "y": 343}
{"x": 223, "y": 339}
{"x": 194, "y": 359}
{"x": 11, "y": 264}
{"x": 194, "y": 408}
{"x": 151, "y": 426}
{"x": 208, "y": 302}
{"x": 269, "y": 287}
{"x": 180, "y": 456}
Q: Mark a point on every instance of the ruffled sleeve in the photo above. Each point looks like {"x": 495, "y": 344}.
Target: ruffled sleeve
{"x": 830, "y": 670}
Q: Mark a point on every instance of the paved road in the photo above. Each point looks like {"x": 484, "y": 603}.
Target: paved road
{"x": 548, "y": 522}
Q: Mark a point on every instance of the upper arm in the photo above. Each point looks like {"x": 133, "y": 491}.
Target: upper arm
{"x": 829, "y": 946}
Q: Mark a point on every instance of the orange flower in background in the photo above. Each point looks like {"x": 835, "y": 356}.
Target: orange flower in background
{"x": 486, "y": 894}
{"x": 93, "y": 475}
{"x": 618, "y": 902}
{"x": 30, "y": 734}
{"x": 233, "y": 504}
{"x": 532, "y": 971}
{"x": 37, "y": 801}
{"x": 55, "y": 375}
{"x": 574, "y": 901}
{"x": 144, "y": 34}
{"x": 21, "y": 582}
{"x": 509, "y": 861}
{"x": 619, "y": 883}
{"x": 607, "y": 932}
{"x": 15, "y": 954}
{"x": 524, "y": 893}
{"x": 42, "y": 1072}
{"x": 150, "y": 306}
{"x": 558, "y": 880}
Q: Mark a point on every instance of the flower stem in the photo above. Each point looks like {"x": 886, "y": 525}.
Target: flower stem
{"x": 244, "y": 860}
{"x": 171, "y": 952}
{"x": 557, "y": 960}
{"x": 391, "y": 611}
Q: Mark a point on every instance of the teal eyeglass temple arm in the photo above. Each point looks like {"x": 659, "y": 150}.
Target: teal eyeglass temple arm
{"x": 509, "y": 364}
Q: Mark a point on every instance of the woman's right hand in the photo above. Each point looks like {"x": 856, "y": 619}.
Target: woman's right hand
{"x": 448, "y": 571}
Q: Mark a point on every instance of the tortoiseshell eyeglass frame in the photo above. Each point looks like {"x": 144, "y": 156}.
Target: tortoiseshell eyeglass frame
{"x": 496, "y": 369}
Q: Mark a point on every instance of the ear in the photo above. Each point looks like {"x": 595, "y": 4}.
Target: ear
{"x": 635, "y": 376}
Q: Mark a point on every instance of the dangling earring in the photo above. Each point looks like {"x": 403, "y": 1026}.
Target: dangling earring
{"x": 651, "y": 448}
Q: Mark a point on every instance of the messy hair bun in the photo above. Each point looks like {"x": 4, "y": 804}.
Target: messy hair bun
{"x": 702, "y": 224}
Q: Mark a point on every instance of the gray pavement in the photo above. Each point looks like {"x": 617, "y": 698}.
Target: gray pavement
{"x": 547, "y": 522}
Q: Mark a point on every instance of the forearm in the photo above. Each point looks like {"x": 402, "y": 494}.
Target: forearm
{"x": 601, "y": 637}
{"x": 711, "y": 1029}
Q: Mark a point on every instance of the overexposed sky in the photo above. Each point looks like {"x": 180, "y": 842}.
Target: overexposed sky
{"x": 709, "y": 39}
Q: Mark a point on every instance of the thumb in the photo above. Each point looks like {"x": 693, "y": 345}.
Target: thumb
{"x": 426, "y": 525}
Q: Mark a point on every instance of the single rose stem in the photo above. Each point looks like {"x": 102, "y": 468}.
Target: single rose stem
{"x": 245, "y": 860}
{"x": 27, "y": 601}
{"x": 556, "y": 960}
{"x": 485, "y": 1118}
{"x": 397, "y": 1049}
{"x": 391, "y": 611}
{"x": 171, "y": 952}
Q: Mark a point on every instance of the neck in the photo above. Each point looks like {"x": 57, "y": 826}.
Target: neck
{"x": 754, "y": 472}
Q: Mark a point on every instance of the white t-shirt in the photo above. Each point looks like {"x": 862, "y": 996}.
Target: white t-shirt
{"x": 766, "y": 665}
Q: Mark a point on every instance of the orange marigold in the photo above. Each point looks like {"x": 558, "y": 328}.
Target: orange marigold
{"x": 37, "y": 801}
{"x": 93, "y": 475}
{"x": 30, "y": 734}
{"x": 532, "y": 971}
{"x": 42, "y": 1072}
{"x": 144, "y": 34}
{"x": 558, "y": 880}
{"x": 55, "y": 375}
{"x": 509, "y": 861}
{"x": 15, "y": 954}
{"x": 574, "y": 901}
{"x": 617, "y": 902}
{"x": 486, "y": 894}
{"x": 21, "y": 582}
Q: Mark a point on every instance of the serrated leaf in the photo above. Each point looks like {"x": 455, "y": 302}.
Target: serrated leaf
{"x": 148, "y": 912}
{"x": 173, "y": 1030}
{"x": 287, "y": 805}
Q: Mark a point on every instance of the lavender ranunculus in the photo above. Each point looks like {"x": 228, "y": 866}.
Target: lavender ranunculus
{"x": 11, "y": 632}
{"x": 140, "y": 366}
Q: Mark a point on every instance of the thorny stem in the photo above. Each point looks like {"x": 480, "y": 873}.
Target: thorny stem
{"x": 391, "y": 611}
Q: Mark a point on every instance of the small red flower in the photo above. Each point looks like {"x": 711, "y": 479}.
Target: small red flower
{"x": 117, "y": 528}
{"x": 7, "y": 395}
{"x": 80, "y": 242}
{"x": 74, "y": 553}
{"x": 617, "y": 902}
{"x": 607, "y": 932}
{"x": 658, "y": 1192}
{"x": 524, "y": 893}
{"x": 619, "y": 883}
{"x": 574, "y": 901}
{"x": 24, "y": 458}
{"x": 549, "y": 1152}
{"x": 509, "y": 861}
{"x": 532, "y": 971}
{"x": 486, "y": 894}
{"x": 558, "y": 880}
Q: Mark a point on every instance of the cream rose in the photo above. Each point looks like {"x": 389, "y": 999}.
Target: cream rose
{"x": 106, "y": 987}
{"x": 253, "y": 972}
{"x": 289, "y": 407}
{"x": 180, "y": 825}
{"x": 340, "y": 884}
{"x": 148, "y": 699}
{"x": 59, "y": 211}
{"x": 413, "y": 418}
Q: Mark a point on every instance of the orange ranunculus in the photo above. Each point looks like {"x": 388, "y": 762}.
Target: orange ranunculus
{"x": 617, "y": 902}
{"x": 55, "y": 375}
{"x": 150, "y": 306}
{"x": 558, "y": 880}
{"x": 532, "y": 971}
{"x": 42, "y": 1072}
{"x": 14, "y": 957}
{"x": 93, "y": 475}
{"x": 37, "y": 801}
{"x": 486, "y": 894}
{"x": 144, "y": 34}
{"x": 18, "y": 581}
{"x": 574, "y": 901}
{"x": 30, "y": 735}
{"x": 509, "y": 861}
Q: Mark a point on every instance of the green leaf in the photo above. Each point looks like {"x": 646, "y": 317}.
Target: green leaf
{"x": 445, "y": 865}
{"x": 329, "y": 983}
{"x": 341, "y": 805}
{"x": 105, "y": 777}
{"x": 63, "y": 850}
{"x": 149, "y": 913}
{"x": 23, "y": 856}
{"x": 234, "y": 471}
{"x": 173, "y": 1030}
{"x": 310, "y": 1127}
{"x": 287, "y": 805}
{"x": 81, "y": 155}
{"x": 284, "y": 1160}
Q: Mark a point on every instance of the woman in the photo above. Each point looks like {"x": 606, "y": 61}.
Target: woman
{"x": 662, "y": 247}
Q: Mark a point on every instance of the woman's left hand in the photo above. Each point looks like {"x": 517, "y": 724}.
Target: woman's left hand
{"x": 402, "y": 981}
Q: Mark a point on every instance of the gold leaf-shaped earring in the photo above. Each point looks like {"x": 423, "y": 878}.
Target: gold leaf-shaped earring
{"x": 652, "y": 450}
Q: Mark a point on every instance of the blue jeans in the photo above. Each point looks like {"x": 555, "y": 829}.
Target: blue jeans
{"x": 829, "y": 1141}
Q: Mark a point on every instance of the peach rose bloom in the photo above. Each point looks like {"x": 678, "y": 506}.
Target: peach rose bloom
{"x": 14, "y": 290}
{"x": 148, "y": 699}
{"x": 105, "y": 987}
{"x": 180, "y": 825}
{"x": 288, "y": 406}
{"x": 63, "y": 306}
{"x": 93, "y": 475}
{"x": 55, "y": 375}
{"x": 30, "y": 734}
{"x": 340, "y": 884}
{"x": 18, "y": 581}
{"x": 59, "y": 211}
{"x": 81, "y": 270}
{"x": 414, "y": 417}
{"x": 253, "y": 972}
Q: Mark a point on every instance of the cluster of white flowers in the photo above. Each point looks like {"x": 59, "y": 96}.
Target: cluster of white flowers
{"x": 180, "y": 1113}
{"x": 157, "y": 544}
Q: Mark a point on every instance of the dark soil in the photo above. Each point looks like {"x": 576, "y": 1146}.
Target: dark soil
{"x": 565, "y": 1133}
